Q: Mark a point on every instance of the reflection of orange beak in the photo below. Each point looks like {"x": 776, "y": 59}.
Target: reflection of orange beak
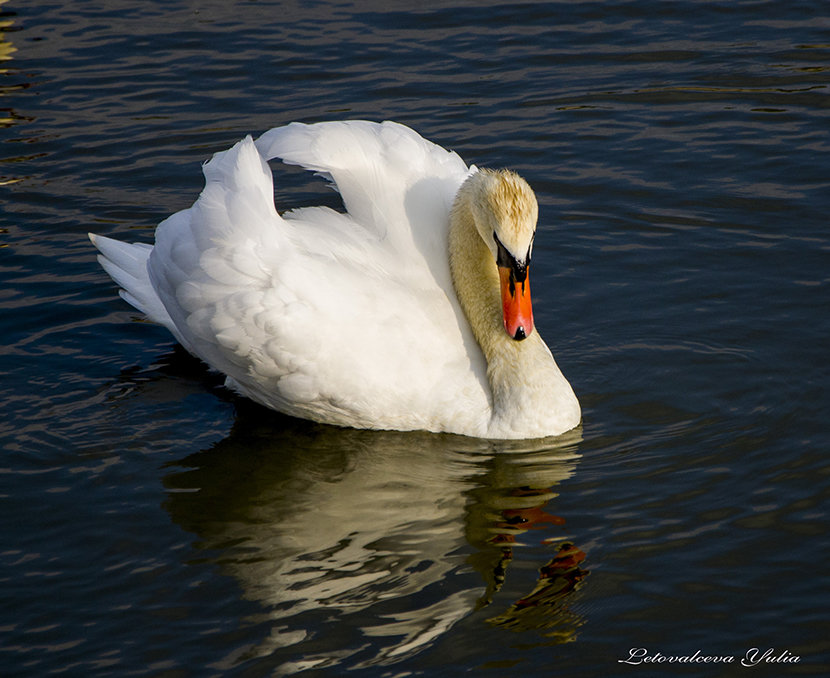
{"x": 515, "y": 303}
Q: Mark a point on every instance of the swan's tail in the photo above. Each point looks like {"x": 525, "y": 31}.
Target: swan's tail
{"x": 126, "y": 264}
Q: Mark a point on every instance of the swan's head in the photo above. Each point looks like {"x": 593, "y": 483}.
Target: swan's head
{"x": 505, "y": 212}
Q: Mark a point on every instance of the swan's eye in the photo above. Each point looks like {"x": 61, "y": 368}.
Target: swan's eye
{"x": 505, "y": 259}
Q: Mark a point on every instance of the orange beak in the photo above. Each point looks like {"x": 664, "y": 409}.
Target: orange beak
{"x": 515, "y": 304}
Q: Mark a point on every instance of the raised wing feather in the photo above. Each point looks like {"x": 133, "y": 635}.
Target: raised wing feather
{"x": 394, "y": 183}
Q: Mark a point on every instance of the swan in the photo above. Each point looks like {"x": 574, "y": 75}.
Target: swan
{"x": 410, "y": 310}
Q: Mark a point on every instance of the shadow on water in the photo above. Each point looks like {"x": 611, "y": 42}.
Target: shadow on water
{"x": 378, "y": 541}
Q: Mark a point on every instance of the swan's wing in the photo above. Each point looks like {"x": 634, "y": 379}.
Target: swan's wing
{"x": 209, "y": 264}
{"x": 394, "y": 183}
{"x": 317, "y": 314}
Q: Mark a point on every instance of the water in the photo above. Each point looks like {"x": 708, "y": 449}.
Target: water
{"x": 155, "y": 525}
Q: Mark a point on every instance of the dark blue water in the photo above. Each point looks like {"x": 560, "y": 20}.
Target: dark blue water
{"x": 155, "y": 525}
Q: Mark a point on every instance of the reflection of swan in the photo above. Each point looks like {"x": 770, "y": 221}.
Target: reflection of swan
{"x": 410, "y": 311}
{"x": 544, "y": 608}
{"x": 362, "y": 536}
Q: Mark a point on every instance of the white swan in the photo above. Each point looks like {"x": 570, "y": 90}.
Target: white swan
{"x": 411, "y": 310}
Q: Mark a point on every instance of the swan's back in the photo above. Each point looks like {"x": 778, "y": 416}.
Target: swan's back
{"x": 346, "y": 318}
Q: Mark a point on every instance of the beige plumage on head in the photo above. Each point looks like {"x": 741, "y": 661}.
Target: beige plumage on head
{"x": 504, "y": 204}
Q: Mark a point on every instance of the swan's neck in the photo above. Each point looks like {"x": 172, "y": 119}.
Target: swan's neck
{"x": 531, "y": 398}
